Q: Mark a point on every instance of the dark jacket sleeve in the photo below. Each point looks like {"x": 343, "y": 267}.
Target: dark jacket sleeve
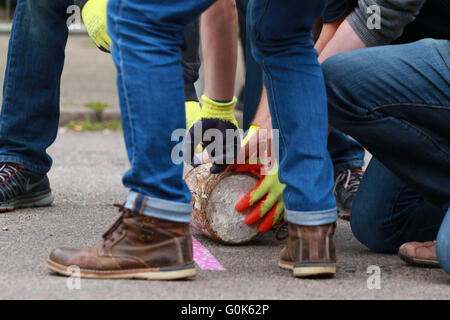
{"x": 80, "y": 3}
{"x": 336, "y": 9}
{"x": 395, "y": 16}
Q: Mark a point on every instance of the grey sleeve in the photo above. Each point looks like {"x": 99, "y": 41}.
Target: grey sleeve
{"x": 80, "y": 3}
{"x": 395, "y": 16}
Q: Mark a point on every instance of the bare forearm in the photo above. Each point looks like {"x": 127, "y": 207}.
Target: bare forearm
{"x": 262, "y": 117}
{"x": 345, "y": 39}
{"x": 219, "y": 45}
{"x": 328, "y": 31}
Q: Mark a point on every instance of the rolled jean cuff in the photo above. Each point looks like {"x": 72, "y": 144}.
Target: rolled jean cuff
{"x": 25, "y": 163}
{"x": 312, "y": 218}
{"x": 348, "y": 165}
{"x": 159, "y": 208}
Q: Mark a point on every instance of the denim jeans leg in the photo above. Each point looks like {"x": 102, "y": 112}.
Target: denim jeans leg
{"x": 281, "y": 45}
{"x": 346, "y": 153}
{"x": 30, "y": 108}
{"x": 253, "y": 84}
{"x": 388, "y": 213}
{"x": 146, "y": 40}
{"x": 404, "y": 124}
{"x": 443, "y": 243}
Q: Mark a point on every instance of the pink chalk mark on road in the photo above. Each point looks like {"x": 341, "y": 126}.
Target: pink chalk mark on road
{"x": 204, "y": 259}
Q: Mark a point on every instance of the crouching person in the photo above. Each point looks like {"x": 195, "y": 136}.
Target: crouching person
{"x": 398, "y": 108}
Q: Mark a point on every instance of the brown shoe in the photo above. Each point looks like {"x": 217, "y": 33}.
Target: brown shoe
{"x": 421, "y": 254}
{"x": 136, "y": 247}
{"x": 310, "y": 251}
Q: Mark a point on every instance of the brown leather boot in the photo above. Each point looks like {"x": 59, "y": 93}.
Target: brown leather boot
{"x": 421, "y": 254}
{"x": 310, "y": 251}
{"x": 135, "y": 247}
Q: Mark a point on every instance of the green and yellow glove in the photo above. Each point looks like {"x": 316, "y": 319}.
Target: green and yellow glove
{"x": 94, "y": 17}
{"x": 219, "y": 116}
{"x": 193, "y": 112}
{"x": 268, "y": 193}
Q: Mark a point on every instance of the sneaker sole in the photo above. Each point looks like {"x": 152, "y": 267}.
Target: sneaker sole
{"x": 344, "y": 214}
{"x": 43, "y": 200}
{"x": 302, "y": 270}
{"x": 420, "y": 262}
{"x": 170, "y": 273}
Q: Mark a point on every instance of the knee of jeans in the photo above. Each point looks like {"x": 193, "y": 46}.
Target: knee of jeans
{"x": 43, "y": 9}
{"x": 40, "y": 4}
{"x": 41, "y": 15}
{"x": 371, "y": 234}
{"x": 335, "y": 69}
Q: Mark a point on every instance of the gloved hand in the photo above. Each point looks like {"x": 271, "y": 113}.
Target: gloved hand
{"x": 219, "y": 116}
{"x": 193, "y": 111}
{"x": 268, "y": 192}
{"x": 94, "y": 17}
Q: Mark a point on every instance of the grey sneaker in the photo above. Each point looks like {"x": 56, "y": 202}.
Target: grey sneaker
{"x": 21, "y": 188}
{"x": 345, "y": 188}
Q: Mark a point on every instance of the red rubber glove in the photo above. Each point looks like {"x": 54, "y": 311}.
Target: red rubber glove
{"x": 268, "y": 193}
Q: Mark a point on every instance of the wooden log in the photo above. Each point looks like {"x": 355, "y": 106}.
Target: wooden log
{"x": 214, "y": 197}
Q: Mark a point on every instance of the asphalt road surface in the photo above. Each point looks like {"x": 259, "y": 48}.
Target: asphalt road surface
{"x": 86, "y": 181}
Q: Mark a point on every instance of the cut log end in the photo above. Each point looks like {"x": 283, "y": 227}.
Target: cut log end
{"x": 214, "y": 197}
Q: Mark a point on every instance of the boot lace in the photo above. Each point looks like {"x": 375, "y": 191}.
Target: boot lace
{"x": 282, "y": 232}
{"x": 109, "y": 235}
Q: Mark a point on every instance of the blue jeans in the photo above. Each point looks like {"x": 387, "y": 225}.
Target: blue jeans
{"x": 30, "y": 110}
{"x": 279, "y": 39}
{"x": 345, "y": 152}
{"x": 146, "y": 39}
{"x": 387, "y": 212}
{"x": 404, "y": 124}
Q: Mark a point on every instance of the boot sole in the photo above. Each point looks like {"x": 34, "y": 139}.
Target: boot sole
{"x": 420, "y": 262}
{"x": 169, "y": 273}
{"x": 309, "y": 270}
{"x": 43, "y": 200}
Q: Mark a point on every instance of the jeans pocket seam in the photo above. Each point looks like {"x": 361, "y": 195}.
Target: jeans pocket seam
{"x": 431, "y": 106}
{"x": 409, "y": 124}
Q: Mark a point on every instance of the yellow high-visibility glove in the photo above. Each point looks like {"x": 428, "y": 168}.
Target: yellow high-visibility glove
{"x": 193, "y": 111}
{"x": 216, "y": 121}
{"x": 94, "y": 17}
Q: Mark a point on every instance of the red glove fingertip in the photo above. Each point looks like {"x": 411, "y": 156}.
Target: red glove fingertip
{"x": 267, "y": 222}
{"x": 244, "y": 203}
{"x": 253, "y": 217}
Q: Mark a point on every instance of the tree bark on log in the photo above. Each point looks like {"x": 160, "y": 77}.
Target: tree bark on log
{"x": 214, "y": 197}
